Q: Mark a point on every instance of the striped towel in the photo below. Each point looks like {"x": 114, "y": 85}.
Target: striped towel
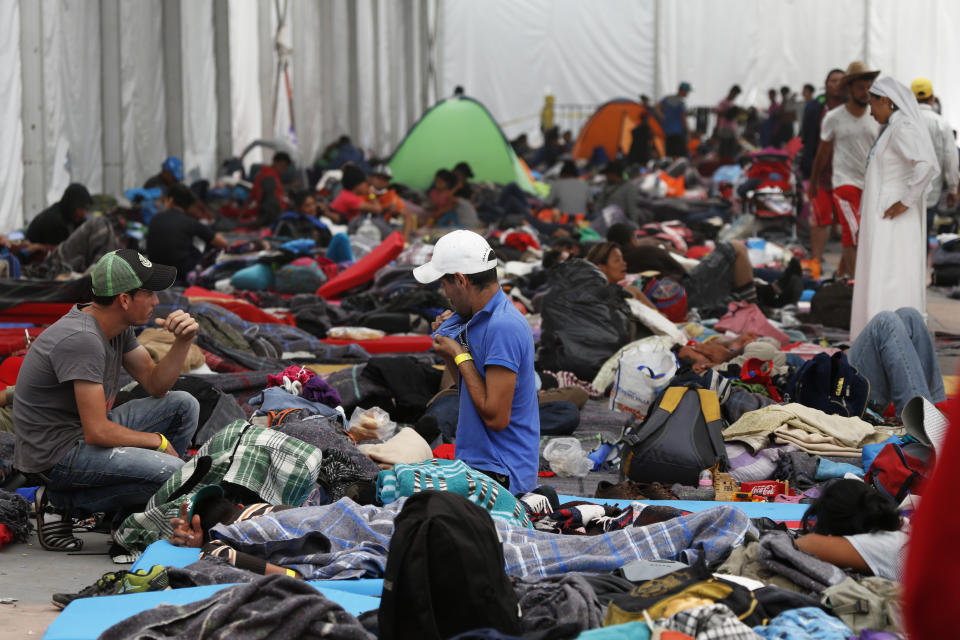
{"x": 404, "y": 480}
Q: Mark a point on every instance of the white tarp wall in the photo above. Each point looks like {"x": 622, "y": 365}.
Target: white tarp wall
{"x": 100, "y": 91}
{"x": 11, "y": 123}
{"x": 509, "y": 54}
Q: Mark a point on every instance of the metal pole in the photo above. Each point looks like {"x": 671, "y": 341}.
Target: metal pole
{"x": 110, "y": 96}
{"x": 31, "y": 114}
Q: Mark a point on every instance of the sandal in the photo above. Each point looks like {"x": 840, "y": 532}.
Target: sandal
{"x": 54, "y": 536}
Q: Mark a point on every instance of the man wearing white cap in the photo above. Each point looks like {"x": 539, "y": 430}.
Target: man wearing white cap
{"x": 488, "y": 347}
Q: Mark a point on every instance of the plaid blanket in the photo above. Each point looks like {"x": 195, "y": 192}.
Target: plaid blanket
{"x": 347, "y": 540}
{"x": 278, "y": 468}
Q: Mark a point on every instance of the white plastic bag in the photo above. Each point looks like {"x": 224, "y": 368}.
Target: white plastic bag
{"x": 567, "y": 458}
{"x": 642, "y": 372}
{"x": 371, "y": 424}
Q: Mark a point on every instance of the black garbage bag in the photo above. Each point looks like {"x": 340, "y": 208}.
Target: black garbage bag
{"x": 585, "y": 319}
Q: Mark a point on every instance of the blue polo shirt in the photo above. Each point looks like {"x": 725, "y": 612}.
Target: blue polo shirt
{"x": 499, "y": 335}
{"x": 674, "y": 111}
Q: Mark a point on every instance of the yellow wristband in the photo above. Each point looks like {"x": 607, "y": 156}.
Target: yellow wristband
{"x": 291, "y": 573}
{"x": 164, "y": 443}
{"x": 463, "y": 357}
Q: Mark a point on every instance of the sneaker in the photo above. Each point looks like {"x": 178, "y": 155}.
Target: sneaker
{"x": 105, "y": 586}
{"x": 153, "y": 579}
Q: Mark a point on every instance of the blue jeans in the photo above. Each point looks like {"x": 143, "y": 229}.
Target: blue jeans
{"x": 89, "y": 479}
{"x": 895, "y": 354}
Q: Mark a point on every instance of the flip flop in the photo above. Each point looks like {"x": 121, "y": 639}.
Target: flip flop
{"x": 54, "y": 536}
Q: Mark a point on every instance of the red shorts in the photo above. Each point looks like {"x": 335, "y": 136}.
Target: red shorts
{"x": 822, "y": 208}
{"x": 846, "y": 197}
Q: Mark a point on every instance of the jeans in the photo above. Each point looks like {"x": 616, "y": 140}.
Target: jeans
{"x": 89, "y": 479}
{"x": 895, "y": 354}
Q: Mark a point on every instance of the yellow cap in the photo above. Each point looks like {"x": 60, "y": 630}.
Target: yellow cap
{"x": 922, "y": 88}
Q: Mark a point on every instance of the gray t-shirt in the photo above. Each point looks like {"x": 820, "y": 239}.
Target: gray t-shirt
{"x": 466, "y": 215}
{"x": 45, "y": 414}
{"x": 570, "y": 195}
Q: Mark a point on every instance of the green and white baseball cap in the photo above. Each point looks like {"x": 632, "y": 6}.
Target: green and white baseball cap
{"x": 125, "y": 270}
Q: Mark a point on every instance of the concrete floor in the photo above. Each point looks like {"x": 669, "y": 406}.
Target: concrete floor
{"x": 31, "y": 574}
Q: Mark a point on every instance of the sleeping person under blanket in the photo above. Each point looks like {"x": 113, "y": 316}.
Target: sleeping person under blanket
{"x": 210, "y": 507}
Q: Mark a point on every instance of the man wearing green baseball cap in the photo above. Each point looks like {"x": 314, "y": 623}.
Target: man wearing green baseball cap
{"x": 93, "y": 457}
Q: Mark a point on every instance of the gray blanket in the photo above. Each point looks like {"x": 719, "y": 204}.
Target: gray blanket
{"x": 276, "y": 607}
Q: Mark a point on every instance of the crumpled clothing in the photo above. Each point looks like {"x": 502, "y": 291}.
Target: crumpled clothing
{"x": 745, "y": 561}
{"x": 713, "y": 622}
{"x": 158, "y": 342}
{"x": 763, "y": 350}
{"x": 14, "y": 513}
{"x": 779, "y": 552}
{"x": 406, "y": 446}
{"x": 752, "y": 467}
{"x": 316, "y": 389}
{"x": 549, "y": 602}
{"x": 294, "y": 373}
{"x": 755, "y": 428}
{"x": 799, "y": 468}
{"x": 272, "y": 606}
{"x": 815, "y": 444}
{"x": 807, "y": 622}
{"x": 827, "y": 469}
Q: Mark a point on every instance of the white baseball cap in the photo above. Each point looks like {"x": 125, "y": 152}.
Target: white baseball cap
{"x": 459, "y": 251}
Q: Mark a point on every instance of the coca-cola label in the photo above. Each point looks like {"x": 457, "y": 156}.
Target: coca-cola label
{"x": 764, "y": 488}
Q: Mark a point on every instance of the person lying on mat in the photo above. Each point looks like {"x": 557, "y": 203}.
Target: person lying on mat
{"x": 853, "y": 526}
{"x": 725, "y": 274}
{"x": 894, "y": 352}
{"x": 92, "y": 457}
{"x": 209, "y": 507}
{"x": 608, "y": 257}
{"x": 488, "y": 348}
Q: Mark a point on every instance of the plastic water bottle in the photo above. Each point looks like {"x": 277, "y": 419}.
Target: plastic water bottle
{"x": 757, "y": 250}
{"x": 706, "y": 478}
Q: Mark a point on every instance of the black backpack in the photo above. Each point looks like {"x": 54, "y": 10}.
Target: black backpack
{"x": 831, "y": 305}
{"x": 445, "y": 572}
{"x": 680, "y": 437}
{"x": 830, "y": 384}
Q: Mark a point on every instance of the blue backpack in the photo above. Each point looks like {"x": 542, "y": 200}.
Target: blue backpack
{"x": 830, "y": 384}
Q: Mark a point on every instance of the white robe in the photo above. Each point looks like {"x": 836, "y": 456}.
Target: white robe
{"x": 891, "y": 254}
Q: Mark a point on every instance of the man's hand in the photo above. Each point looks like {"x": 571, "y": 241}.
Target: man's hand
{"x": 170, "y": 451}
{"x": 439, "y": 320}
{"x": 180, "y": 324}
{"x": 896, "y": 209}
{"x": 186, "y": 534}
{"x": 448, "y": 347}
{"x": 951, "y": 200}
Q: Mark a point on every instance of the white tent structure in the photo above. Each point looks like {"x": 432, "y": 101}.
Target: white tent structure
{"x": 100, "y": 91}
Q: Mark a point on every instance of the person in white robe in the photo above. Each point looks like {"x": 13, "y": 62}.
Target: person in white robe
{"x": 891, "y": 262}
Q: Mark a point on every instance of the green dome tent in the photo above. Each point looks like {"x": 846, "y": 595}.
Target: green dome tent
{"x": 457, "y": 130}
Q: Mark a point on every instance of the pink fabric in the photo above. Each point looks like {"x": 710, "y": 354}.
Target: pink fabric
{"x": 743, "y": 317}
{"x": 293, "y": 372}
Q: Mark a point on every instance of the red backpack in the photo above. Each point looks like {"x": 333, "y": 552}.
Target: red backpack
{"x": 895, "y": 474}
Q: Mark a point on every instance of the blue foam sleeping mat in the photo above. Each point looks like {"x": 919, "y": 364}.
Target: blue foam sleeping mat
{"x": 776, "y": 511}
{"x": 87, "y": 618}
